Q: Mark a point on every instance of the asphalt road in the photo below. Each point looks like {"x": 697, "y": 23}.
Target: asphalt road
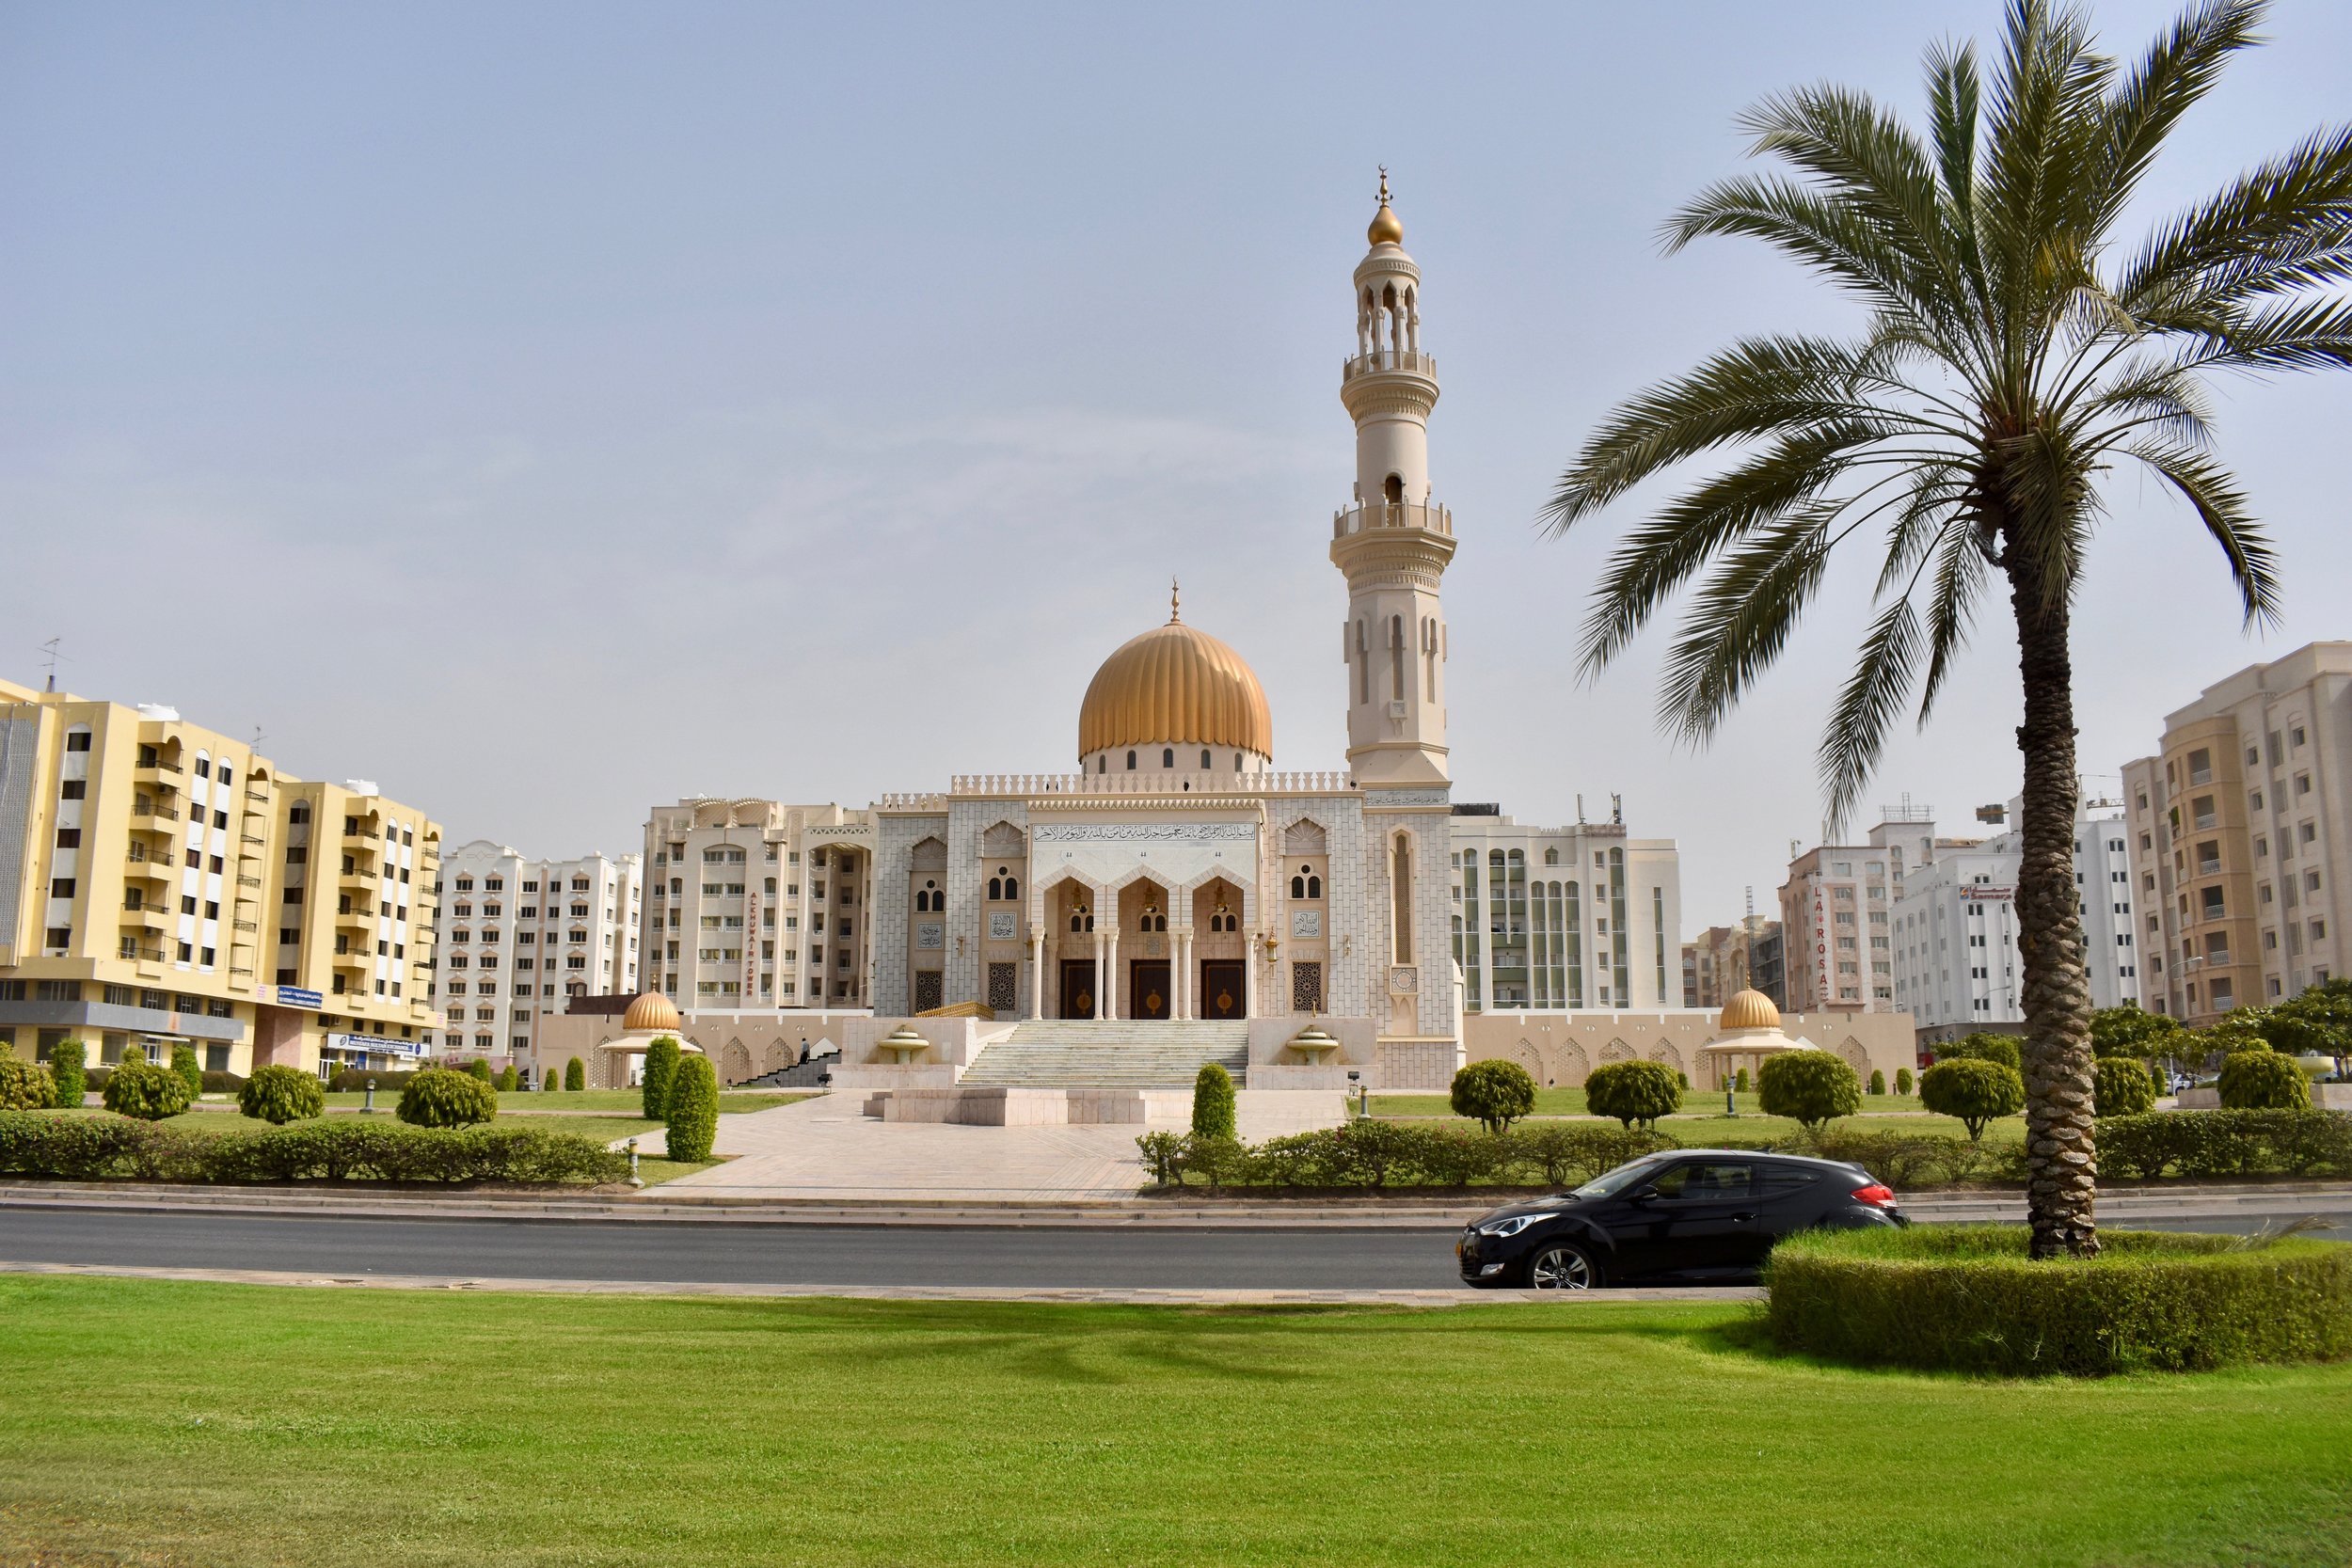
{"x": 785, "y": 1253}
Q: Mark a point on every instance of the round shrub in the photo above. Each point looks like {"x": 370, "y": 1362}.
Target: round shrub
{"x": 279, "y": 1095}
{"x": 479, "y": 1068}
{"x": 1878, "y": 1081}
{"x": 575, "y": 1075}
{"x": 191, "y": 1070}
{"x": 1983, "y": 1046}
{"x": 1975, "y": 1091}
{"x": 1495, "y": 1092}
{"x": 1810, "y": 1086}
{"x": 440, "y": 1097}
{"x": 693, "y": 1108}
{"x": 138, "y": 1087}
{"x": 2123, "y": 1086}
{"x": 25, "y": 1085}
{"x": 1213, "y": 1102}
{"x": 65, "y": 1063}
{"x": 2263, "y": 1080}
{"x": 1902, "y": 1080}
{"x": 661, "y": 1059}
{"x": 1633, "y": 1092}
{"x": 1968, "y": 1298}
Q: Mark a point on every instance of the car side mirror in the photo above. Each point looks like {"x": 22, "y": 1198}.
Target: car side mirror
{"x": 1644, "y": 1195}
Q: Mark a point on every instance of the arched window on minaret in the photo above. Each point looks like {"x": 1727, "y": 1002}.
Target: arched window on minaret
{"x": 1395, "y": 489}
{"x": 1396, "y": 658}
{"x": 1430, "y": 656}
{"x": 1363, "y": 666}
{"x": 1131, "y": 762}
{"x": 1401, "y": 898}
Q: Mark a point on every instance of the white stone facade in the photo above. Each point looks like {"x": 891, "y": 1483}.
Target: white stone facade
{"x": 517, "y": 937}
{"x": 754, "y": 903}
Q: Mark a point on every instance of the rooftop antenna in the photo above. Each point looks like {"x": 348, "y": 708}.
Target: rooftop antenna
{"x": 50, "y": 648}
{"x": 1751, "y": 900}
{"x": 1579, "y": 807}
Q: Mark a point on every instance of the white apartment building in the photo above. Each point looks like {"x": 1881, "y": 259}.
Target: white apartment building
{"x": 1956, "y": 964}
{"x": 754, "y": 905}
{"x": 2238, "y": 833}
{"x": 1549, "y": 919}
{"x": 1837, "y": 910}
{"x": 519, "y": 938}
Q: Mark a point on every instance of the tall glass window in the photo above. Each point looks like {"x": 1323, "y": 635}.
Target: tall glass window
{"x": 1574, "y": 928}
{"x": 1658, "y": 924}
{"x": 1619, "y": 952}
{"x": 1555, "y": 967}
{"x": 1465, "y": 931}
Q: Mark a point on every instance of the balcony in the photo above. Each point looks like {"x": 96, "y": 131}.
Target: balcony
{"x": 1374, "y": 515}
{"x": 162, "y": 811}
{"x": 160, "y": 769}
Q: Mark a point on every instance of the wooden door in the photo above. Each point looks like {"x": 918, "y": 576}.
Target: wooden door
{"x": 1077, "y": 987}
{"x": 1148, "y": 989}
{"x": 1224, "y": 992}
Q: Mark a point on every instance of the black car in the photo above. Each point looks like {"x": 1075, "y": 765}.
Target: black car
{"x": 1689, "y": 1216}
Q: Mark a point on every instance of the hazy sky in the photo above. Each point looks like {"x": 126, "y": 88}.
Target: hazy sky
{"x": 551, "y": 410}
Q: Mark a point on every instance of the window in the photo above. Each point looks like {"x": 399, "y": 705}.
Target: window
{"x": 68, "y": 838}
{"x": 77, "y": 740}
{"x": 1131, "y": 762}
{"x": 1167, "y": 757}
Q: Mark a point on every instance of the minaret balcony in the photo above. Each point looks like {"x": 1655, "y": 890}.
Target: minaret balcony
{"x": 1396, "y": 360}
{"x": 1368, "y": 515}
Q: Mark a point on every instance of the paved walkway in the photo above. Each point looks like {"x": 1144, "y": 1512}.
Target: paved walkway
{"x": 827, "y": 1147}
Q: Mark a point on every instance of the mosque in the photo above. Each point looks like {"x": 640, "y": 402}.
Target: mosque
{"x": 1068, "y": 945}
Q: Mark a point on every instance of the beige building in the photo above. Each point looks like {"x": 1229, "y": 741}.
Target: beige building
{"x": 519, "y": 939}
{"x": 754, "y": 905}
{"x": 1546, "y": 919}
{"x": 2238, "y": 835}
{"x": 1722, "y": 960}
{"x": 161, "y": 882}
{"x": 1837, "y": 910}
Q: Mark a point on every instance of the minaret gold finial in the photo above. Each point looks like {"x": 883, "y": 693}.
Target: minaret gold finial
{"x": 1175, "y": 608}
{"x": 1385, "y": 227}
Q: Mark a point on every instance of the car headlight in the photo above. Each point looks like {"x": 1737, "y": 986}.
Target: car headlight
{"x": 1511, "y": 1227}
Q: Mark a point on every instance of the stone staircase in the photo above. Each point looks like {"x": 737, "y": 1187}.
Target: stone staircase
{"x": 800, "y": 1075}
{"x": 1092, "y": 1053}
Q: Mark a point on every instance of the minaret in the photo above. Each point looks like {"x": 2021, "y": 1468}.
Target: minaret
{"x": 1392, "y": 542}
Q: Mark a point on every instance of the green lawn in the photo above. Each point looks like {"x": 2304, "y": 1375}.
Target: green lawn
{"x": 374, "y": 1428}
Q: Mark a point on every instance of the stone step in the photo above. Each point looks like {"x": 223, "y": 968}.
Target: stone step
{"x": 1080, "y": 1054}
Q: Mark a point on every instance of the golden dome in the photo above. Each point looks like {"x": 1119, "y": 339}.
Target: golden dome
{"x": 1386, "y": 228}
{"x": 650, "y": 1013}
{"x": 1749, "y": 1009}
{"x": 1175, "y": 686}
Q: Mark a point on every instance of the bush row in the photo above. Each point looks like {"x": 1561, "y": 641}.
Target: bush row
{"x": 2226, "y": 1142}
{"x": 88, "y": 1148}
{"x": 1965, "y": 1297}
{"x": 1372, "y": 1155}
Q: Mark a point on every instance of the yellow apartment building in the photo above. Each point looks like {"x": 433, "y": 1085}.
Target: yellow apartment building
{"x": 161, "y": 882}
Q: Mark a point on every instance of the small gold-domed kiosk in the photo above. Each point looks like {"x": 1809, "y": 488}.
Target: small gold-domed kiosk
{"x": 1747, "y": 1032}
{"x": 649, "y": 1017}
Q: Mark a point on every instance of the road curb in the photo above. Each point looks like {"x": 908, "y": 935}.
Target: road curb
{"x": 1074, "y": 1296}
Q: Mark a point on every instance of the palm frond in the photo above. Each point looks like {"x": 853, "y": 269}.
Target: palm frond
{"x": 2285, "y": 224}
{"x": 2179, "y": 69}
{"x": 2220, "y": 505}
{"x": 1739, "y": 620}
{"x": 1960, "y": 576}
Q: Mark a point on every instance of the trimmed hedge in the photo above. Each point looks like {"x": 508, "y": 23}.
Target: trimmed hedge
{"x": 2123, "y": 1086}
{"x": 2226, "y": 1142}
{"x": 1810, "y": 1086}
{"x": 575, "y": 1075}
{"x": 222, "y": 1083}
{"x": 280, "y": 1095}
{"x": 141, "y": 1088}
{"x": 1967, "y": 1298}
{"x": 2263, "y": 1080}
{"x": 90, "y": 1148}
{"x": 190, "y": 1068}
{"x": 1372, "y": 1155}
{"x": 439, "y": 1097}
{"x": 1633, "y": 1092}
{"x": 661, "y": 1059}
{"x": 1212, "y": 1101}
{"x": 694, "y": 1100}
{"x": 1494, "y": 1093}
{"x": 25, "y": 1085}
{"x": 65, "y": 1059}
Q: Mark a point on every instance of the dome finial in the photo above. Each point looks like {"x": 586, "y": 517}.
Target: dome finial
{"x": 1175, "y": 605}
{"x": 1386, "y": 228}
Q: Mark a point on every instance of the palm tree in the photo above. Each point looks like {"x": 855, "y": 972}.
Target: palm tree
{"x": 2013, "y": 355}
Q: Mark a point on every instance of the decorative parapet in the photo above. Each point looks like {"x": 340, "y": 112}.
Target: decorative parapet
{"x": 1128, "y": 784}
{"x": 1366, "y": 516}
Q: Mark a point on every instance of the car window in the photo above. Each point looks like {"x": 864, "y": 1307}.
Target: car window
{"x": 1623, "y": 1177}
{"x": 1787, "y": 1180}
{"x": 1703, "y": 1180}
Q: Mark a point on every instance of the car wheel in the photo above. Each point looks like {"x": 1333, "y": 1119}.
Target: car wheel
{"x": 1561, "y": 1266}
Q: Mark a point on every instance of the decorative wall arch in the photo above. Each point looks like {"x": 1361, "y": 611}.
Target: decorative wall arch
{"x": 1574, "y": 1068}
{"x": 1667, "y": 1054}
{"x": 1003, "y": 841}
{"x": 734, "y": 1061}
{"x": 1616, "y": 1051}
{"x": 1856, "y": 1057}
{"x": 1525, "y": 1053}
{"x": 928, "y": 854}
{"x": 1305, "y": 838}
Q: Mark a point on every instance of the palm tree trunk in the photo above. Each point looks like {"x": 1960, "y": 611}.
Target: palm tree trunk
{"x": 2061, "y": 1163}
